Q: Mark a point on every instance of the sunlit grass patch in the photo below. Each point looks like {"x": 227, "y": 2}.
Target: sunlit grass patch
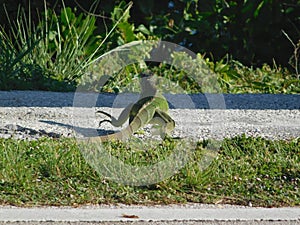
{"x": 246, "y": 170}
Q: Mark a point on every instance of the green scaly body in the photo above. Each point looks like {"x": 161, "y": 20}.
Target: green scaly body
{"x": 151, "y": 108}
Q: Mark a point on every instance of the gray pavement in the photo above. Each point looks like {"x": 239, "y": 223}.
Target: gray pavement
{"x": 199, "y": 101}
{"x": 172, "y": 214}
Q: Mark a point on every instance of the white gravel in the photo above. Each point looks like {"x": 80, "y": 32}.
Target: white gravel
{"x": 32, "y": 114}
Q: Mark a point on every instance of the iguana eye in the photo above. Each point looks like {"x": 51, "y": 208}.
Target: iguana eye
{"x": 143, "y": 75}
{"x": 146, "y": 74}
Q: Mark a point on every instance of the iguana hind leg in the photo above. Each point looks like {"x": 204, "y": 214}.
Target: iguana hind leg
{"x": 165, "y": 122}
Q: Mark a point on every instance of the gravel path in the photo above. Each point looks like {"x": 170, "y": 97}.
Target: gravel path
{"x": 32, "y": 114}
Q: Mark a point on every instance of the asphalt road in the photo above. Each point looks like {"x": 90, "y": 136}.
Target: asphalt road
{"x": 198, "y": 101}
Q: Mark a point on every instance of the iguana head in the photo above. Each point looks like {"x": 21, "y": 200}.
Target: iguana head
{"x": 148, "y": 84}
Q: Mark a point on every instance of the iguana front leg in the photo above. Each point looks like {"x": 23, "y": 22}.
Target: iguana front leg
{"x": 122, "y": 118}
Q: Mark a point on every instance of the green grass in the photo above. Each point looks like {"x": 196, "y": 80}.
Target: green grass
{"x": 54, "y": 172}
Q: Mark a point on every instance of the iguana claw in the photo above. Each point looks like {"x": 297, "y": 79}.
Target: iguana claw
{"x": 106, "y": 114}
{"x": 103, "y": 121}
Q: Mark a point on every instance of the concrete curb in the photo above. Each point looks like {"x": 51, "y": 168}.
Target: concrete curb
{"x": 150, "y": 214}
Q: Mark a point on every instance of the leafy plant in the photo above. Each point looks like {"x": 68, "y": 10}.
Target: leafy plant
{"x": 234, "y": 77}
{"x": 220, "y": 27}
{"x": 126, "y": 30}
{"x": 68, "y": 42}
{"x": 13, "y": 71}
{"x": 295, "y": 59}
{"x": 56, "y": 51}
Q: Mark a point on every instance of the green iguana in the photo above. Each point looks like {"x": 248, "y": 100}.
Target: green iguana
{"x": 151, "y": 108}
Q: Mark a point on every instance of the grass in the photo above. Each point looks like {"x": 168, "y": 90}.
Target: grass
{"x": 54, "y": 172}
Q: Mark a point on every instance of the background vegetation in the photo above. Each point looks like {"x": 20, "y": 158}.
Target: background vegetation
{"x": 47, "y": 45}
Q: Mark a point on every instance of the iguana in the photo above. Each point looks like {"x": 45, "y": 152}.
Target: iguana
{"x": 151, "y": 108}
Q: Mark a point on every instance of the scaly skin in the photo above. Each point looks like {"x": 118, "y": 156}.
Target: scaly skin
{"x": 151, "y": 108}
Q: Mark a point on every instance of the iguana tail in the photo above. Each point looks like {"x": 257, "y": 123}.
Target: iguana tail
{"x": 121, "y": 135}
{"x": 143, "y": 118}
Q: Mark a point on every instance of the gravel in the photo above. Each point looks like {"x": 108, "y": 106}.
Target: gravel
{"x": 34, "y": 114}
